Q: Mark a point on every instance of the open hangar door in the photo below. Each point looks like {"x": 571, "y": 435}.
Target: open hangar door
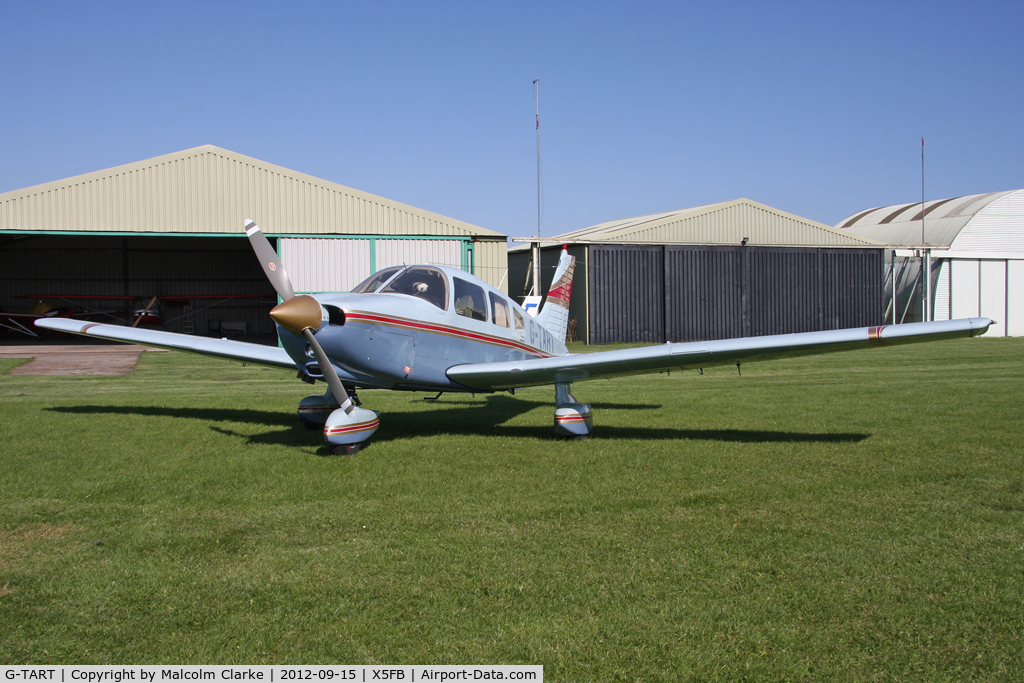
{"x": 59, "y": 268}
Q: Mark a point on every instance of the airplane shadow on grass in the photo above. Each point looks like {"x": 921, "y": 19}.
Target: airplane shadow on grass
{"x": 456, "y": 417}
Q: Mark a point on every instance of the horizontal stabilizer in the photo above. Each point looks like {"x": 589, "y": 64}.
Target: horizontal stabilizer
{"x": 692, "y": 355}
{"x": 220, "y": 348}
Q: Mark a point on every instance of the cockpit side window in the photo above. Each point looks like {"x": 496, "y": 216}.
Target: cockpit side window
{"x": 470, "y": 300}
{"x": 499, "y": 310}
{"x": 373, "y": 283}
{"x": 422, "y": 282}
{"x": 519, "y": 319}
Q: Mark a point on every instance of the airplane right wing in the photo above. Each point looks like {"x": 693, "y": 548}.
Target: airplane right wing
{"x": 692, "y": 355}
{"x": 220, "y": 348}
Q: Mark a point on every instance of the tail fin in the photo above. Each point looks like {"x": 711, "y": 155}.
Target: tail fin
{"x": 554, "y": 316}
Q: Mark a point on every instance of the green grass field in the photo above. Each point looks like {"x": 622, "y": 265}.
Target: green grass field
{"x": 854, "y": 517}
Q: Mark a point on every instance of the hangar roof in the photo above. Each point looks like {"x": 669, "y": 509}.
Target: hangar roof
{"x": 715, "y": 224}
{"x": 209, "y": 190}
{"x": 992, "y": 221}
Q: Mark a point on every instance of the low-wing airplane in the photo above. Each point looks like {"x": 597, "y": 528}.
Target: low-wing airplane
{"x": 148, "y": 314}
{"x": 25, "y": 322}
{"x": 439, "y": 329}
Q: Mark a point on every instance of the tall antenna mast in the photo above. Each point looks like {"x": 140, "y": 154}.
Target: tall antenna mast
{"x": 926, "y": 254}
{"x": 536, "y": 97}
{"x": 536, "y": 245}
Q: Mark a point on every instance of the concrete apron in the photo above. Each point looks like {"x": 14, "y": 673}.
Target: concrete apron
{"x": 67, "y": 359}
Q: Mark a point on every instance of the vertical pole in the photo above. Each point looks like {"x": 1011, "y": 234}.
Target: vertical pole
{"x": 927, "y": 285}
{"x": 926, "y": 260}
{"x": 893, "y": 269}
{"x": 536, "y": 245}
{"x": 535, "y": 251}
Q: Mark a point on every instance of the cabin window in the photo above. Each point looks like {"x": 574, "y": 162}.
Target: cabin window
{"x": 499, "y": 310}
{"x": 470, "y": 300}
{"x": 422, "y": 282}
{"x": 519, "y": 319}
{"x": 373, "y": 283}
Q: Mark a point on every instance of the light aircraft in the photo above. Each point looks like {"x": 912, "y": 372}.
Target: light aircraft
{"x": 148, "y": 314}
{"x": 437, "y": 329}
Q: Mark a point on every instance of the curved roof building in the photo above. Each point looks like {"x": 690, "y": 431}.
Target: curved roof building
{"x": 976, "y": 247}
{"x": 988, "y": 222}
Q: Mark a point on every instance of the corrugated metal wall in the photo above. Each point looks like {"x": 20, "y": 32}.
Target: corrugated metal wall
{"x": 690, "y": 293}
{"x": 407, "y": 252}
{"x": 337, "y": 264}
{"x": 627, "y": 290}
{"x": 732, "y": 222}
{"x": 784, "y": 291}
{"x": 725, "y": 223}
{"x": 208, "y": 190}
{"x": 1014, "y": 298}
{"x": 854, "y": 293}
{"x": 992, "y": 288}
{"x": 490, "y": 263}
{"x": 317, "y": 264}
{"x": 706, "y": 292}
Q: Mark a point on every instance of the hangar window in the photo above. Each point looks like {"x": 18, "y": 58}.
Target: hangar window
{"x": 422, "y": 282}
{"x": 470, "y": 300}
{"x": 373, "y": 283}
{"x": 499, "y": 310}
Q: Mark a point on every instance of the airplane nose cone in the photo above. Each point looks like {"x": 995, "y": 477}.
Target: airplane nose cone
{"x": 297, "y": 314}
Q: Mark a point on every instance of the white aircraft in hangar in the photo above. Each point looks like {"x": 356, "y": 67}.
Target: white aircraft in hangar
{"x": 437, "y": 329}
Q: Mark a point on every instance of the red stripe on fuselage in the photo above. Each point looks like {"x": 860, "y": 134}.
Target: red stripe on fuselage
{"x": 433, "y": 328}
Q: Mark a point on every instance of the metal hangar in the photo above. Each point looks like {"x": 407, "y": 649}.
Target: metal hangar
{"x": 172, "y": 226}
{"x": 731, "y": 269}
{"x": 972, "y": 247}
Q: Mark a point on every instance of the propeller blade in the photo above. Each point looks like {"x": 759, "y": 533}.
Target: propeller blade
{"x": 272, "y": 265}
{"x": 328, "y": 371}
{"x": 297, "y": 314}
{"x": 138, "y": 318}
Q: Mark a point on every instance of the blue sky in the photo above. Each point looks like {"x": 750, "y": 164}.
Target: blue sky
{"x": 816, "y": 108}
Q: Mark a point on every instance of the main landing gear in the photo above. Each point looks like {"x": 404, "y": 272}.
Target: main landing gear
{"x": 347, "y": 428}
{"x": 572, "y": 418}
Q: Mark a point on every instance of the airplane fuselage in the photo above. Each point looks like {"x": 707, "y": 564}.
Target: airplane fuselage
{"x": 393, "y": 340}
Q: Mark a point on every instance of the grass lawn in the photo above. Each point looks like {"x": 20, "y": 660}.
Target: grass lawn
{"x": 850, "y": 517}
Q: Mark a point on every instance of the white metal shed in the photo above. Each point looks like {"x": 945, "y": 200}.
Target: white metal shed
{"x": 975, "y": 245}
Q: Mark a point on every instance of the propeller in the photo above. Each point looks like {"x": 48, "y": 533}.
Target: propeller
{"x": 144, "y": 313}
{"x": 298, "y": 313}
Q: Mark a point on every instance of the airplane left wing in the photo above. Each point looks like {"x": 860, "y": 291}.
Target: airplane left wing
{"x": 692, "y": 355}
{"x": 220, "y": 348}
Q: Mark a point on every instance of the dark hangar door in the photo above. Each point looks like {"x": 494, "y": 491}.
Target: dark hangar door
{"x": 703, "y": 293}
{"x": 854, "y": 294}
{"x": 784, "y": 290}
{"x": 694, "y": 293}
{"x": 627, "y": 290}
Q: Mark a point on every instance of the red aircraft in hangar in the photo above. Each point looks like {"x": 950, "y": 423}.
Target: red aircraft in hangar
{"x": 135, "y": 310}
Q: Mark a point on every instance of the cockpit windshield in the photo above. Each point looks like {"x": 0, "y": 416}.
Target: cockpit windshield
{"x": 373, "y": 283}
{"x": 424, "y": 282}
